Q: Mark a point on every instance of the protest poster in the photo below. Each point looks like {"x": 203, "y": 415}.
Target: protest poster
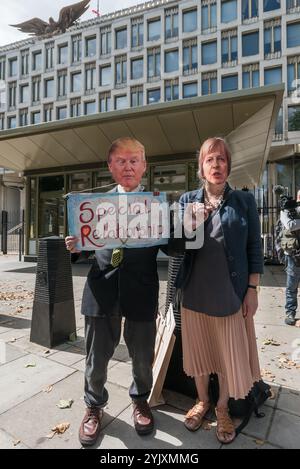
{"x": 164, "y": 344}
{"x": 113, "y": 220}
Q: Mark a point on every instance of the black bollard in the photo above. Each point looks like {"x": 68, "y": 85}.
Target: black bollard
{"x": 176, "y": 379}
{"x": 53, "y": 315}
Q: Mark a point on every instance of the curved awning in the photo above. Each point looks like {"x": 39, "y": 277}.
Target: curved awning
{"x": 245, "y": 117}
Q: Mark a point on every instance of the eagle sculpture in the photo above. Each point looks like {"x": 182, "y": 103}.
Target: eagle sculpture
{"x": 67, "y": 17}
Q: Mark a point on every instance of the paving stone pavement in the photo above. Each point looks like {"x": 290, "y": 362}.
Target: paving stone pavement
{"x": 33, "y": 379}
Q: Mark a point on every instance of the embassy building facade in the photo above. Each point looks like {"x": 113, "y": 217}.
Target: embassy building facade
{"x": 170, "y": 73}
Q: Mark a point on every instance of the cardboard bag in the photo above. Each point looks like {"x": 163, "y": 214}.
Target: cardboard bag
{"x": 164, "y": 344}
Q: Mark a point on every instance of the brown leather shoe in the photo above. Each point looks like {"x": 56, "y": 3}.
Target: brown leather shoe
{"x": 142, "y": 417}
{"x": 90, "y": 426}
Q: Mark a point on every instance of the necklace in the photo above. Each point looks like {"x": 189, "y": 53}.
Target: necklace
{"x": 213, "y": 205}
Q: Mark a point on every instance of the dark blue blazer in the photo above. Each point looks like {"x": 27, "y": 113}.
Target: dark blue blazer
{"x": 242, "y": 239}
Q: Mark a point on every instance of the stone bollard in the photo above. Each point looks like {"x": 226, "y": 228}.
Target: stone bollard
{"x": 53, "y": 315}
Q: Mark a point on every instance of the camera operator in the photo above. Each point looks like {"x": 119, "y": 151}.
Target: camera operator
{"x": 290, "y": 246}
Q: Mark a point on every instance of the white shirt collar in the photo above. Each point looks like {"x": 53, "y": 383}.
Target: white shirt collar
{"x": 121, "y": 189}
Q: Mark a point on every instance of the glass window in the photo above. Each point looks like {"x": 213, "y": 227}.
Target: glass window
{"x": 63, "y": 54}
{"x": 228, "y": 11}
{"x": 75, "y": 107}
{"x": 230, "y": 83}
{"x": 12, "y": 122}
{"x": 171, "y": 61}
{"x": 293, "y": 35}
{"x": 121, "y": 102}
{"x": 36, "y": 117}
{"x": 153, "y": 96}
{"x": 284, "y": 173}
{"x": 250, "y": 79}
{"x": 2, "y": 68}
{"x": 32, "y": 210}
{"x": 189, "y": 21}
{"x": 76, "y": 49}
{"x": 23, "y": 117}
{"x": 209, "y": 53}
{"x": 105, "y": 42}
{"x": 105, "y": 75}
{"x": 271, "y": 5}
{"x": 62, "y": 112}
{"x": 90, "y": 78}
{"x": 137, "y": 35}
{"x": 90, "y": 107}
{"x": 171, "y": 91}
{"x": 76, "y": 82}
{"x": 171, "y": 25}
{"x": 190, "y": 90}
{"x": 90, "y": 47}
{"x": 121, "y": 38}
{"x": 190, "y": 58}
{"x": 121, "y": 70}
{"x": 24, "y": 63}
{"x": 48, "y": 111}
{"x": 137, "y": 68}
{"x": 209, "y": 85}
{"x": 80, "y": 181}
{"x": 51, "y": 207}
{"x": 153, "y": 64}
{"x": 273, "y": 75}
{"x": 229, "y": 49}
{"x": 36, "y": 89}
{"x": 49, "y": 88}
{"x": 12, "y": 88}
{"x": 13, "y": 67}
{"x": 154, "y": 29}
{"x": 272, "y": 40}
{"x": 62, "y": 85}
{"x": 250, "y": 43}
{"x": 49, "y": 56}
{"x": 209, "y": 17}
{"x": 137, "y": 97}
{"x": 24, "y": 94}
{"x": 249, "y": 9}
{"x": 293, "y": 74}
{"x": 294, "y": 118}
{"x": 37, "y": 61}
{"x": 104, "y": 102}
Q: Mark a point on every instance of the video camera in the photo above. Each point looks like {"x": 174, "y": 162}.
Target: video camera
{"x": 286, "y": 202}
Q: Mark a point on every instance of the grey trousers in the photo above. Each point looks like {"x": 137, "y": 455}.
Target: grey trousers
{"x": 102, "y": 335}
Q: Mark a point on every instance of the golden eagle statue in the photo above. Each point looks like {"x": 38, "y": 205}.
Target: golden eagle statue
{"x": 67, "y": 17}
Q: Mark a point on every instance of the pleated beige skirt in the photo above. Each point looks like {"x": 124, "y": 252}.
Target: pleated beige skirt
{"x": 222, "y": 345}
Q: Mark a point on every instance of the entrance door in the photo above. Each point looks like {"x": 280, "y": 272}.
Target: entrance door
{"x": 170, "y": 178}
{"x": 51, "y": 207}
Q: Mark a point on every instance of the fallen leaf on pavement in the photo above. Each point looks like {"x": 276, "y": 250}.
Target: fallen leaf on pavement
{"x": 65, "y": 403}
{"x": 271, "y": 342}
{"x": 16, "y": 442}
{"x": 30, "y": 365}
{"x": 48, "y": 388}
{"x": 267, "y": 374}
{"x": 59, "y": 429}
{"x": 259, "y": 442}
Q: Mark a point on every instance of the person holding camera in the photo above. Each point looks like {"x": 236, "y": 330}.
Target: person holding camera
{"x": 288, "y": 250}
